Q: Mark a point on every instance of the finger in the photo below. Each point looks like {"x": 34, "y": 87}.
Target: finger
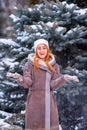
{"x": 77, "y": 80}
{"x": 9, "y": 74}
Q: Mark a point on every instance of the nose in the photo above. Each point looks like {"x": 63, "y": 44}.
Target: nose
{"x": 42, "y": 50}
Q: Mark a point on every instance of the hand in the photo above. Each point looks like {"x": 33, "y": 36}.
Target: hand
{"x": 75, "y": 78}
{"x": 69, "y": 77}
{"x": 13, "y": 75}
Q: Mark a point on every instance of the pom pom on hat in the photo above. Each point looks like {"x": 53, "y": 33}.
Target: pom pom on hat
{"x": 40, "y": 41}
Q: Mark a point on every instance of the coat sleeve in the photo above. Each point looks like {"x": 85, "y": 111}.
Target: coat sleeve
{"x": 57, "y": 78}
{"x": 25, "y": 80}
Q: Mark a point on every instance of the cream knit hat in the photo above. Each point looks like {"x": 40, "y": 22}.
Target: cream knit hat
{"x": 40, "y": 41}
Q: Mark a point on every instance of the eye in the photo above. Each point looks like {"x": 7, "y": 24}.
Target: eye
{"x": 44, "y": 47}
{"x": 39, "y": 48}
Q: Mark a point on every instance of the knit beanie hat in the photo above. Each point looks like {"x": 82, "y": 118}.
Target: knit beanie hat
{"x": 40, "y": 41}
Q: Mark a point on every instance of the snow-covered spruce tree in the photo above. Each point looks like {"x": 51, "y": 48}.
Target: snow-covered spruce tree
{"x": 65, "y": 27}
{"x": 80, "y": 3}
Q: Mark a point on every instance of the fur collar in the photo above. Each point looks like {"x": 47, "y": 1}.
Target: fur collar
{"x": 32, "y": 55}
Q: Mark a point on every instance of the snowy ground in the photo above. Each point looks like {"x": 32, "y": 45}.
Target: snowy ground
{"x": 4, "y": 125}
{"x": 5, "y": 116}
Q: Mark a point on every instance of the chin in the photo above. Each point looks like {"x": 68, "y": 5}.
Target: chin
{"x": 42, "y": 57}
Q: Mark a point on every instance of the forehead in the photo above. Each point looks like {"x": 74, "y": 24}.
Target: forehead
{"x": 41, "y": 45}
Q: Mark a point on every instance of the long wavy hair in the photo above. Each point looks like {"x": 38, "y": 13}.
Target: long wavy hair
{"x": 46, "y": 60}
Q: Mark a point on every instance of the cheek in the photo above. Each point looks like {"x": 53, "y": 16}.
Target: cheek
{"x": 46, "y": 52}
{"x": 38, "y": 52}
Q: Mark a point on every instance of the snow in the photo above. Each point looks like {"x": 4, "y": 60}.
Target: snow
{"x": 5, "y": 115}
{"x": 50, "y": 24}
{"x": 1, "y": 68}
{"x": 4, "y": 124}
{"x": 23, "y": 112}
{"x": 14, "y": 18}
{"x": 9, "y": 83}
{"x": 15, "y": 8}
{"x": 38, "y": 34}
{"x": 70, "y": 6}
{"x": 13, "y": 96}
{"x": 77, "y": 10}
{"x": 61, "y": 29}
{"x": 36, "y": 27}
{"x": 24, "y": 38}
{"x": 2, "y": 100}
{"x": 39, "y": 6}
{"x": 9, "y": 42}
{"x": 22, "y": 33}
{"x": 1, "y": 94}
{"x": 30, "y": 9}
{"x": 81, "y": 11}
{"x": 9, "y": 62}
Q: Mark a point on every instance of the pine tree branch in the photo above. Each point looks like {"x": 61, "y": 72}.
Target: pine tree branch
{"x": 46, "y": 2}
{"x": 57, "y": 1}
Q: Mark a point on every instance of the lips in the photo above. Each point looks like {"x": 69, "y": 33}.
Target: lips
{"x": 41, "y": 53}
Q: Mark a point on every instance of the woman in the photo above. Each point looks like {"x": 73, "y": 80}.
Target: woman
{"x": 42, "y": 76}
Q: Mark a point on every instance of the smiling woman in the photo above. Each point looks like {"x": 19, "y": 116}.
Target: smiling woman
{"x": 42, "y": 51}
{"x": 42, "y": 76}
{"x": 43, "y": 54}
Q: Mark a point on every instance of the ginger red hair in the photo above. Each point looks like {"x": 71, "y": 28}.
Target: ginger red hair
{"x": 46, "y": 60}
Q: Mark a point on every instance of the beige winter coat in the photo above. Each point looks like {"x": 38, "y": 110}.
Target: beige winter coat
{"x": 41, "y": 107}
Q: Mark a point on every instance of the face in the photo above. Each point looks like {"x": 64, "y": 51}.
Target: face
{"x": 42, "y": 51}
